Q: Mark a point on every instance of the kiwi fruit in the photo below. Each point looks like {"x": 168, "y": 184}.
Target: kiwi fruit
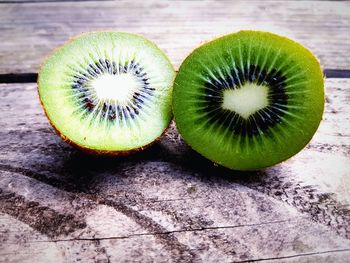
{"x": 107, "y": 92}
{"x": 249, "y": 100}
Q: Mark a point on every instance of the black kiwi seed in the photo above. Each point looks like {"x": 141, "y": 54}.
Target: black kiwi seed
{"x": 81, "y": 79}
{"x": 114, "y": 66}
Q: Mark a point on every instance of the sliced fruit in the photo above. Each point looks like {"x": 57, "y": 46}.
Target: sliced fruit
{"x": 108, "y": 92}
{"x": 249, "y": 100}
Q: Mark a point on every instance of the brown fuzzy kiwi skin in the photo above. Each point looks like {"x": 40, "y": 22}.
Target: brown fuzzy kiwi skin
{"x": 69, "y": 141}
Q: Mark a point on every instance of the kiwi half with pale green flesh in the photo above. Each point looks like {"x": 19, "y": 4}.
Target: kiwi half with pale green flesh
{"x": 108, "y": 92}
{"x": 249, "y": 100}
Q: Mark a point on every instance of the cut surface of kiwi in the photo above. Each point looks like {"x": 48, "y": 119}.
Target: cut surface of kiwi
{"x": 249, "y": 100}
{"x": 108, "y": 92}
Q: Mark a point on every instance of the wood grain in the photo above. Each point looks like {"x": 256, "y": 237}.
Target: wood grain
{"x": 30, "y": 31}
{"x": 168, "y": 203}
{"x": 43, "y": 1}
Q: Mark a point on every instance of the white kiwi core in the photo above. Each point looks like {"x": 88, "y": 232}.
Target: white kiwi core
{"x": 119, "y": 88}
{"x": 246, "y": 100}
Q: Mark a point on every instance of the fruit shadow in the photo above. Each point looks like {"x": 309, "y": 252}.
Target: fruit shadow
{"x": 86, "y": 171}
{"x": 211, "y": 172}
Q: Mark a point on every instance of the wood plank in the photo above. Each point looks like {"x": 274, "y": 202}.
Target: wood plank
{"x": 168, "y": 203}
{"x": 30, "y": 31}
{"x": 43, "y": 1}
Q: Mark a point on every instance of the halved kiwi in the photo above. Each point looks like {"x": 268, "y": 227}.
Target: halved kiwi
{"x": 108, "y": 92}
{"x": 249, "y": 100}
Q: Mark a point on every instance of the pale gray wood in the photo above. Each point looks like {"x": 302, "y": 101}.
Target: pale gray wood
{"x": 168, "y": 203}
{"x": 29, "y": 32}
{"x": 43, "y": 1}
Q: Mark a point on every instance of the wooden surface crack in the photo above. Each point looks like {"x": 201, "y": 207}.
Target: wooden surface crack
{"x": 159, "y": 233}
{"x": 296, "y": 255}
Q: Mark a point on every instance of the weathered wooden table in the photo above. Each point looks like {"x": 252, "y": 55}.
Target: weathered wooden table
{"x": 168, "y": 203}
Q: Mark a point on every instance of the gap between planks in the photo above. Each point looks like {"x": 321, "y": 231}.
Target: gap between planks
{"x": 32, "y": 77}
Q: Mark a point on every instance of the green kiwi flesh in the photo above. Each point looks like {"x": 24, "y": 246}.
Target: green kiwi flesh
{"x": 249, "y": 100}
{"x": 107, "y": 92}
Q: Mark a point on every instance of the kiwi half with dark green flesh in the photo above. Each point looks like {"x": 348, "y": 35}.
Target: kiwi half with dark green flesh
{"x": 249, "y": 100}
{"x": 108, "y": 92}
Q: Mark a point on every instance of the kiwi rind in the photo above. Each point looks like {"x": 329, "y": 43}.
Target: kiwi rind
{"x": 89, "y": 150}
{"x": 102, "y": 152}
{"x": 247, "y": 161}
